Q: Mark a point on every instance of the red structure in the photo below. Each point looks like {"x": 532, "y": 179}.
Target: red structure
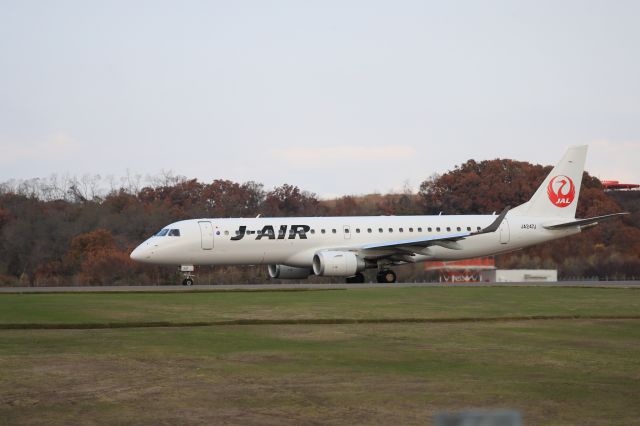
{"x": 614, "y": 185}
{"x": 461, "y": 271}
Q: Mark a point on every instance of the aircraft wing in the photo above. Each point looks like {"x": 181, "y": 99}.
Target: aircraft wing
{"x": 449, "y": 241}
{"x": 583, "y": 222}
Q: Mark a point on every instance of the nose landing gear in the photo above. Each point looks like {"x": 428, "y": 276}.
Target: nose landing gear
{"x": 187, "y": 273}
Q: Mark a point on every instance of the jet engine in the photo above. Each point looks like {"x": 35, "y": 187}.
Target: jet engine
{"x": 288, "y": 272}
{"x": 337, "y": 263}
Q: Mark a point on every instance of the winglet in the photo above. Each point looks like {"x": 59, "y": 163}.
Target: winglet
{"x": 496, "y": 223}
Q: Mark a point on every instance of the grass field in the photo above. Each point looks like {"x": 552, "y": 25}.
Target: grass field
{"x": 555, "y": 371}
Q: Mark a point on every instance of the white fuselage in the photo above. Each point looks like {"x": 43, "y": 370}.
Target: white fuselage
{"x": 296, "y": 247}
{"x": 225, "y": 242}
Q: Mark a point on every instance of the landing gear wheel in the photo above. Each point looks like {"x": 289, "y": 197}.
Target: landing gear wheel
{"x": 356, "y": 279}
{"x": 187, "y": 274}
{"x": 386, "y": 276}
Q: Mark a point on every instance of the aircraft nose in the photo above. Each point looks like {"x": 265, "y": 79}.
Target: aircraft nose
{"x": 140, "y": 253}
{"x": 135, "y": 254}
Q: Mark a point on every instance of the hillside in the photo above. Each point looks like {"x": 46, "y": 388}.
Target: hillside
{"x": 69, "y": 235}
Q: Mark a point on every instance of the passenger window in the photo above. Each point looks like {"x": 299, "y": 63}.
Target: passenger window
{"x": 313, "y": 231}
{"x": 357, "y": 230}
{"x": 478, "y": 228}
{"x": 410, "y": 229}
{"x": 380, "y": 230}
{"x": 390, "y": 229}
{"x": 322, "y": 231}
{"x": 448, "y": 229}
{"x": 369, "y": 230}
{"x": 419, "y": 229}
{"x": 346, "y": 230}
{"x": 400, "y": 230}
{"x": 438, "y": 229}
{"x": 226, "y": 232}
{"x": 333, "y": 231}
{"x": 458, "y": 228}
{"x": 430, "y": 229}
{"x": 468, "y": 228}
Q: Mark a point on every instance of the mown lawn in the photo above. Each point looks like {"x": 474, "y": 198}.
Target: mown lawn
{"x": 556, "y": 372}
{"x": 382, "y": 303}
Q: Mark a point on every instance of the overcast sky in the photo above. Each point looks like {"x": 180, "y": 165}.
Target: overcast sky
{"x": 337, "y": 97}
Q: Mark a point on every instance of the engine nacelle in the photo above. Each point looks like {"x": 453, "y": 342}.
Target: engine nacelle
{"x": 288, "y": 272}
{"x": 337, "y": 264}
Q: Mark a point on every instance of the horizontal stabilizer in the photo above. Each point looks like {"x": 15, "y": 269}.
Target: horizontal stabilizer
{"x": 583, "y": 222}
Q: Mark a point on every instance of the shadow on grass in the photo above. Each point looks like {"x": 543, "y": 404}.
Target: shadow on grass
{"x": 318, "y": 321}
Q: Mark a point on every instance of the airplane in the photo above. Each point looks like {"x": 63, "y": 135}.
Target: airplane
{"x": 298, "y": 247}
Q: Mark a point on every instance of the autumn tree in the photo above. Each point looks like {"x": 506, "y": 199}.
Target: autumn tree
{"x": 486, "y": 186}
{"x": 33, "y": 233}
{"x": 61, "y": 230}
{"x": 224, "y": 198}
{"x": 98, "y": 259}
{"x": 481, "y": 187}
{"x": 289, "y": 200}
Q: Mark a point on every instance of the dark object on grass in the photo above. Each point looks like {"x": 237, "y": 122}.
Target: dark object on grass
{"x": 479, "y": 418}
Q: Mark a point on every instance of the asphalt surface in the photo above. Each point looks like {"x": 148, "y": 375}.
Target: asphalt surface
{"x": 306, "y": 286}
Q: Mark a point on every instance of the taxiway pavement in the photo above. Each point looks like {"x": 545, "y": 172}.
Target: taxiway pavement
{"x": 303, "y": 286}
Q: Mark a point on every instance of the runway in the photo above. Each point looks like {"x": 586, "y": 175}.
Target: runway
{"x": 303, "y": 287}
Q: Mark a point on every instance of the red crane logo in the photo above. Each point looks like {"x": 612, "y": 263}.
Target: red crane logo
{"x": 561, "y": 191}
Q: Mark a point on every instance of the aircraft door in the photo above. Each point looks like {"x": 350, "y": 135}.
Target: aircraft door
{"x": 206, "y": 234}
{"x": 504, "y": 232}
{"x": 347, "y": 232}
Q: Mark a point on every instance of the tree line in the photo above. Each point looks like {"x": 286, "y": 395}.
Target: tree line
{"x": 70, "y": 232}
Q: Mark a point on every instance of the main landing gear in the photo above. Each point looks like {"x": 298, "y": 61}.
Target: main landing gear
{"x": 386, "y": 276}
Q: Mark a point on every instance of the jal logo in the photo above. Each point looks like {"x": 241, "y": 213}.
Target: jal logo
{"x": 561, "y": 191}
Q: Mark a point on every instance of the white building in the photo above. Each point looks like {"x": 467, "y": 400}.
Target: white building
{"x": 519, "y": 275}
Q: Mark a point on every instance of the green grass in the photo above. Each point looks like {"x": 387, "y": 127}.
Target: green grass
{"x": 555, "y": 372}
{"x": 432, "y": 303}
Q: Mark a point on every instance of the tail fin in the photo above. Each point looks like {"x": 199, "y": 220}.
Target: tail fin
{"x": 558, "y": 194}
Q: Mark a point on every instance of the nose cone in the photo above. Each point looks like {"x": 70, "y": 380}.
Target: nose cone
{"x": 141, "y": 253}
{"x": 135, "y": 254}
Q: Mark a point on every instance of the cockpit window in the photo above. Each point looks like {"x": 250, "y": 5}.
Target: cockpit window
{"x": 174, "y": 232}
{"x": 162, "y": 233}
